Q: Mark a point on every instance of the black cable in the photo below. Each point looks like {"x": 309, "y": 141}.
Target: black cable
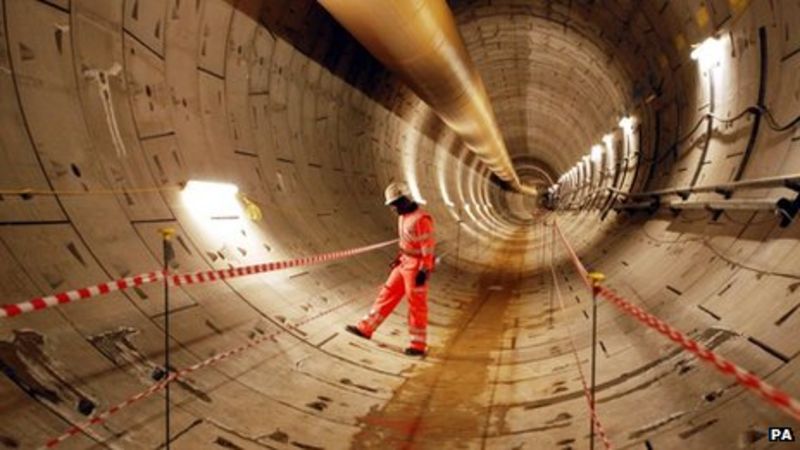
{"x": 678, "y": 142}
{"x": 773, "y": 124}
{"x": 755, "y": 110}
{"x": 750, "y": 110}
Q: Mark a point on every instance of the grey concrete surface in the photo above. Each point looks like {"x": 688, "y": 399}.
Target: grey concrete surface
{"x": 114, "y": 104}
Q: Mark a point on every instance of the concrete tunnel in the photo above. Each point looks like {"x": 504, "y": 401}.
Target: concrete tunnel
{"x": 661, "y": 135}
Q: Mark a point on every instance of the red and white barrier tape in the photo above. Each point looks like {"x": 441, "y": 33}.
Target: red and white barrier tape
{"x": 49, "y": 301}
{"x": 223, "y": 274}
{"x": 578, "y": 265}
{"x": 592, "y": 411}
{"x": 595, "y": 418}
{"x": 774, "y": 396}
{"x": 587, "y": 394}
{"x": 102, "y": 417}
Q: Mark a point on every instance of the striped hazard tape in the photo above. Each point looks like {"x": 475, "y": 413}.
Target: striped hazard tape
{"x": 150, "y": 391}
{"x": 49, "y": 301}
{"x": 206, "y": 276}
{"x": 774, "y": 396}
{"x": 598, "y": 426}
{"x": 771, "y": 394}
{"x": 223, "y": 274}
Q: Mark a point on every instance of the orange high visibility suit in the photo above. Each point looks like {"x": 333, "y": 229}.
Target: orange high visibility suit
{"x": 415, "y": 230}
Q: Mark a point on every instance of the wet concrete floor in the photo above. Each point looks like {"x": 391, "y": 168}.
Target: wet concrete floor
{"x": 447, "y": 404}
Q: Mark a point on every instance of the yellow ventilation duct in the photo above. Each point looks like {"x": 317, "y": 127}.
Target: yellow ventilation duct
{"x": 419, "y": 41}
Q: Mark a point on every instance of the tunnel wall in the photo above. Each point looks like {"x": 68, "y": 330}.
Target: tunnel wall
{"x": 115, "y": 104}
{"x": 726, "y": 278}
{"x": 203, "y": 91}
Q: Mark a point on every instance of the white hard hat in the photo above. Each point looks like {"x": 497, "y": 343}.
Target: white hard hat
{"x": 395, "y": 190}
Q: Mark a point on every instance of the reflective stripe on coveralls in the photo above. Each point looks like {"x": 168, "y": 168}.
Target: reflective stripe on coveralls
{"x": 415, "y": 231}
{"x": 416, "y": 247}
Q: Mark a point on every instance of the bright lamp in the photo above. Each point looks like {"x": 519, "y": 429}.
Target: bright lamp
{"x": 709, "y": 53}
{"x": 626, "y": 123}
{"x": 209, "y": 200}
{"x": 597, "y": 153}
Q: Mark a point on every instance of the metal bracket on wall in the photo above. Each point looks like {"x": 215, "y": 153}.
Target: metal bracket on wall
{"x": 613, "y": 200}
{"x": 655, "y": 205}
{"x": 726, "y": 193}
{"x": 649, "y": 206}
{"x": 715, "y": 212}
{"x": 786, "y": 208}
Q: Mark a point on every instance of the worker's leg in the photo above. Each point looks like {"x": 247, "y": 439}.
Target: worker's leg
{"x": 418, "y": 317}
{"x": 417, "y": 307}
{"x": 387, "y": 300}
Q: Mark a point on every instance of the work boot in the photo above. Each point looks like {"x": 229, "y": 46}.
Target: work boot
{"x": 354, "y": 329}
{"x": 411, "y": 351}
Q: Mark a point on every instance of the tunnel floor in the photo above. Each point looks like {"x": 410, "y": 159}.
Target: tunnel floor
{"x": 449, "y": 399}
{"x": 502, "y": 371}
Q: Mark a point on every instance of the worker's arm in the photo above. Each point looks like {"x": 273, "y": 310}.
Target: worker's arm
{"x": 424, "y": 232}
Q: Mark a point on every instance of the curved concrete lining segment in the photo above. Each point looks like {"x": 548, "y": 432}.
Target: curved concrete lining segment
{"x": 115, "y": 105}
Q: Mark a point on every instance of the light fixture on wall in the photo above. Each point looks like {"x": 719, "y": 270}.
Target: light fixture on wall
{"x": 709, "y": 53}
{"x": 597, "y": 153}
{"x": 627, "y": 123}
{"x": 608, "y": 140}
{"x": 207, "y": 199}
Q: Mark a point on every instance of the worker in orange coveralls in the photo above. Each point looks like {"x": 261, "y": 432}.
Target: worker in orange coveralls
{"x": 411, "y": 270}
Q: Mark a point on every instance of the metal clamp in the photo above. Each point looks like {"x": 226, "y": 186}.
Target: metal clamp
{"x": 726, "y": 193}
{"x": 715, "y": 212}
{"x": 167, "y": 233}
{"x": 595, "y": 278}
{"x": 786, "y": 208}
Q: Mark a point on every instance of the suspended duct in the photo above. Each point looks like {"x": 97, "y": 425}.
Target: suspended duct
{"x": 419, "y": 41}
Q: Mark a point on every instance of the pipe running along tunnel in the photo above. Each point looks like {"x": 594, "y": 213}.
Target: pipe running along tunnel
{"x": 641, "y": 143}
